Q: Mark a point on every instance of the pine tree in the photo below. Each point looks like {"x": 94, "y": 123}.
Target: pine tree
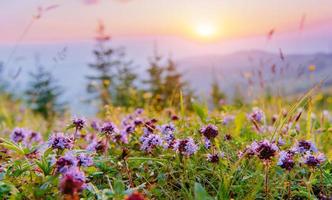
{"x": 125, "y": 89}
{"x": 173, "y": 84}
{"x": 155, "y": 79}
{"x": 216, "y": 94}
{"x": 43, "y": 95}
{"x": 105, "y": 66}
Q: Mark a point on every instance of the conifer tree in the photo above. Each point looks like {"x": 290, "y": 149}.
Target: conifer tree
{"x": 155, "y": 79}
{"x": 173, "y": 84}
{"x": 125, "y": 88}
{"x": 105, "y": 66}
{"x": 43, "y": 94}
{"x": 113, "y": 81}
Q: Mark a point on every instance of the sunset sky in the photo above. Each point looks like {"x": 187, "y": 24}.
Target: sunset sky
{"x": 195, "y": 20}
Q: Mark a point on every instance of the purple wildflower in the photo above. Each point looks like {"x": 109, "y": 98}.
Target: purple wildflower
{"x": 78, "y": 123}
{"x": 72, "y": 182}
{"x": 95, "y": 125}
{"x": 303, "y": 146}
{"x": 265, "y": 150}
{"x": 18, "y": 135}
{"x": 150, "y": 142}
{"x": 129, "y": 129}
{"x": 207, "y": 143}
{"x": 257, "y": 115}
{"x": 286, "y": 160}
{"x": 227, "y": 119}
{"x": 64, "y": 163}
{"x": 108, "y": 128}
{"x": 228, "y": 137}
{"x": 174, "y": 118}
{"x": 84, "y": 160}
{"x": 274, "y": 118}
{"x": 60, "y": 141}
{"x": 33, "y": 137}
{"x": 313, "y": 160}
{"x": 126, "y": 120}
{"x": 214, "y": 157}
{"x": 281, "y": 142}
{"x": 98, "y": 146}
{"x": 149, "y": 127}
{"x": 120, "y": 137}
{"x": 210, "y": 131}
{"x": 139, "y": 111}
{"x": 138, "y": 121}
{"x": 167, "y": 129}
{"x": 186, "y": 147}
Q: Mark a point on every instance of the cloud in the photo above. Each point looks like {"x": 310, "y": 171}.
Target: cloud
{"x": 90, "y": 2}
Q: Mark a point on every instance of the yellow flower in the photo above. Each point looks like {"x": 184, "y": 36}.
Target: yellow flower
{"x": 312, "y": 68}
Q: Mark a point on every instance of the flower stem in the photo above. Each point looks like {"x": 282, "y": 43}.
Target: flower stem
{"x": 266, "y": 183}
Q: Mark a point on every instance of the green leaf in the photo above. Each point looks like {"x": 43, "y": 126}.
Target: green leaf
{"x": 200, "y": 193}
{"x": 119, "y": 187}
{"x": 201, "y": 111}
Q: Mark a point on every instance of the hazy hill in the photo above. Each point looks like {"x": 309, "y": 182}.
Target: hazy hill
{"x": 291, "y": 74}
{"x": 253, "y": 68}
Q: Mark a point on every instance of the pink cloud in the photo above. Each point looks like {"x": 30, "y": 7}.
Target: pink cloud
{"x": 90, "y": 2}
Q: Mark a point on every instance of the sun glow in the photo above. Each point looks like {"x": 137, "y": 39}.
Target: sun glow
{"x": 206, "y": 31}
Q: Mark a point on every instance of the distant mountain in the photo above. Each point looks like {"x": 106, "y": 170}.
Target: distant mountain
{"x": 244, "y": 70}
{"x": 256, "y": 69}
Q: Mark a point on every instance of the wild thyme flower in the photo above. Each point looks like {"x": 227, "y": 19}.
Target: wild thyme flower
{"x": 174, "y": 118}
{"x": 138, "y": 121}
{"x": 167, "y": 129}
{"x": 19, "y": 135}
{"x": 168, "y": 137}
{"x": 150, "y": 142}
{"x": 95, "y": 125}
{"x": 275, "y": 117}
{"x": 108, "y": 128}
{"x": 257, "y": 115}
{"x": 303, "y": 146}
{"x": 149, "y": 127}
{"x": 313, "y": 160}
{"x": 72, "y": 182}
{"x": 79, "y": 123}
{"x": 286, "y": 160}
{"x": 249, "y": 151}
{"x": 120, "y": 137}
{"x": 185, "y": 147}
{"x": 97, "y": 146}
{"x": 64, "y": 163}
{"x": 126, "y": 120}
{"x": 207, "y": 143}
{"x": 129, "y": 129}
{"x": 227, "y": 119}
{"x": 228, "y": 137}
{"x": 84, "y": 160}
{"x": 60, "y": 141}
{"x": 210, "y": 131}
{"x": 281, "y": 142}
{"x": 33, "y": 137}
{"x": 214, "y": 157}
{"x": 139, "y": 111}
{"x": 264, "y": 150}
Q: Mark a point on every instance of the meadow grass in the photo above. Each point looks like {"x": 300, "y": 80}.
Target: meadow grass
{"x": 231, "y": 153}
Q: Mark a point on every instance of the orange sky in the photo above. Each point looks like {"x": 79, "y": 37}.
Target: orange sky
{"x": 76, "y": 20}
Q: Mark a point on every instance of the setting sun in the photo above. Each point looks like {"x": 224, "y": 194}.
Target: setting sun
{"x": 206, "y": 31}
